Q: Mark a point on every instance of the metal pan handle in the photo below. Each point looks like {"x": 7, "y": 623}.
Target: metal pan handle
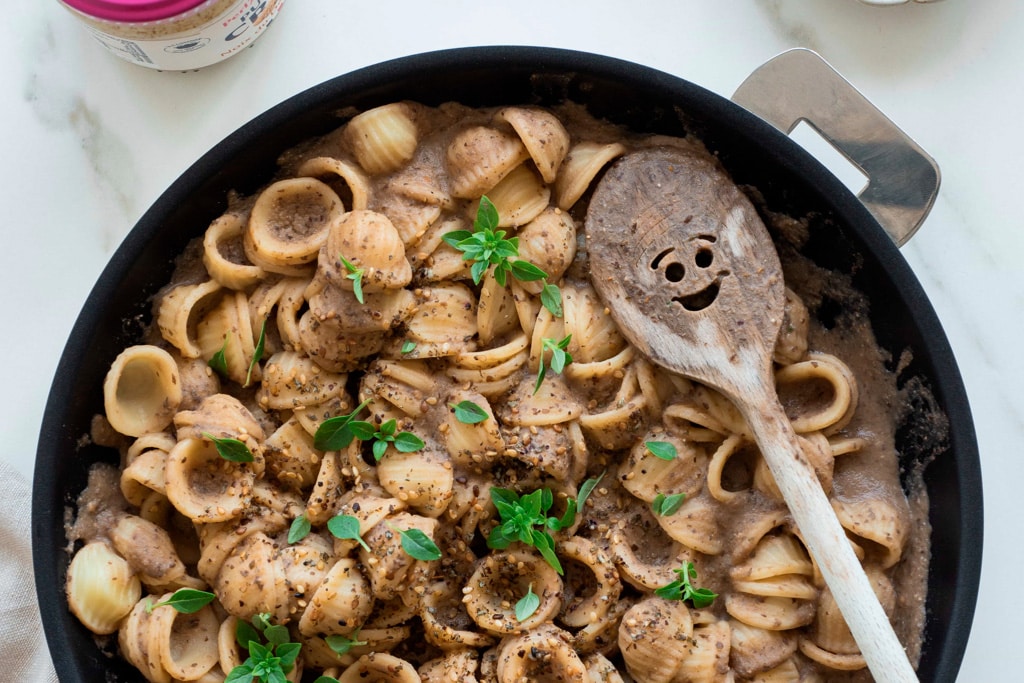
{"x": 798, "y": 85}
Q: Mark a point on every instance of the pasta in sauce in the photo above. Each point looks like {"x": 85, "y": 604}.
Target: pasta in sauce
{"x": 335, "y": 286}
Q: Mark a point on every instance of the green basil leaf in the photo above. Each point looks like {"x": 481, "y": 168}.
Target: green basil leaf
{"x": 299, "y": 529}
{"x": 526, "y": 271}
{"x": 547, "y": 499}
{"x": 551, "y": 299}
{"x": 257, "y": 355}
{"x": 585, "y": 490}
{"x": 276, "y": 635}
{"x": 672, "y": 591}
{"x": 569, "y": 518}
{"x": 364, "y": 431}
{"x": 667, "y": 505}
{"x": 702, "y": 597}
{"x": 497, "y": 540}
{"x": 501, "y": 273}
{"x": 507, "y": 496}
{"x": 527, "y": 605}
{"x": 543, "y": 542}
{"x": 334, "y": 433}
{"x": 454, "y": 237}
{"x": 219, "y": 361}
{"x": 241, "y": 673}
{"x": 231, "y": 450}
{"x": 342, "y": 644}
{"x": 477, "y": 271}
{"x": 261, "y": 621}
{"x": 186, "y": 601}
{"x": 408, "y": 347}
{"x": 468, "y": 412}
{"x": 246, "y": 633}
{"x": 288, "y": 652}
{"x": 276, "y": 675}
{"x": 662, "y": 449}
{"x": 419, "y": 546}
{"x": 379, "y": 449}
{"x": 486, "y": 215}
{"x": 346, "y": 527}
{"x": 407, "y": 442}
{"x": 541, "y": 371}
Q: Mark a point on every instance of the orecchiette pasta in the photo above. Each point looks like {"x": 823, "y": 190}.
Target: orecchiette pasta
{"x": 426, "y": 473}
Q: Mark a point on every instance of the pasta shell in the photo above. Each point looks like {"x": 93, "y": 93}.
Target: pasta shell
{"x": 460, "y": 665}
{"x": 223, "y": 416}
{"x": 754, "y": 650}
{"x": 695, "y": 525}
{"x": 391, "y": 565}
{"x": 341, "y": 603}
{"x": 142, "y": 390}
{"x": 550, "y": 657}
{"x": 379, "y": 667}
{"x": 584, "y": 161}
{"x": 772, "y": 614}
{"x": 179, "y": 311}
{"x": 327, "y": 169}
{"x": 224, "y": 253}
{"x": 144, "y": 475}
{"x": 203, "y": 486}
{"x": 548, "y": 242}
{"x": 496, "y": 312}
{"x": 227, "y": 328}
{"x": 423, "y": 479}
{"x": 479, "y": 157}
{"x": 595, "y": 335}
{"x": 289, "y": 222}
{"x": 411, "y": 218}
{"x": 817, "y": 394}
{"x": 646, "y": 564}
{"x": 383, "y": 138}
{"x": 405, "y": 384}
{"x": 101, "y": 587}
{"x": 791, "y": 345}
{"x": 187, "y": 643}
{"x": 877, "y": 523}
{"x": 446, "y": 623}
{"x": 500, "y": 580}
{"x": 654, "y": 639}
{"x": 371, "y": 243}
{"x": 293, "y": 381}
{"x": 601, "y": 670}
{"x": 148, "y": 549}
{"x": 551, "y": 403}
{"x": 251, "y": 580}
{"x": 471, "y": 444}
{"x": 291, "y": 458}
{"x": 645, "y": 475}
{"x": 519, "y": 197}
{"x": 337, "y": 306}
{"x": 543, "y": 134}
{"x": 580, "y": 610}
{"x": 708, "y": 658}
{"x": 332, "y": 345}
{"x": 444, "y": 324}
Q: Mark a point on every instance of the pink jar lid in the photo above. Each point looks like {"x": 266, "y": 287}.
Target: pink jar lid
{"x": 133, "y": 10}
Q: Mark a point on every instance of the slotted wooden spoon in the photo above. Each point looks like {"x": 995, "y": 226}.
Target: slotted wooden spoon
{"x": 692, "y": 278}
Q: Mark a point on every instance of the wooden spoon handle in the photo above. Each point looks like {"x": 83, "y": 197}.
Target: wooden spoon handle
{"x": 827, "y": 542}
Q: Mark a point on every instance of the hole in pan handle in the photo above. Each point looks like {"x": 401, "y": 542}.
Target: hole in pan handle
{"x": 799, "y": 85}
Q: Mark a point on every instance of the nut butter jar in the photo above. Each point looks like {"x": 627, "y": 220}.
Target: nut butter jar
{"x": 175, "y": 35}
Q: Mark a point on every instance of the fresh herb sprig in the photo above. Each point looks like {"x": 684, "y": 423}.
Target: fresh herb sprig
{"x": 299, "y": 529}
{"x": 185, "y": 601}
{"x": 682, "y": 589}
{"x": 334, "y": 433}
{"x": 559, "y": 358}
{"x": 525, "y": 519}
{"x": 386, "y": 433}
{"x": 271, "y": 655}
{"x": 231, "y": 450}
{"x": 486, "y": 246}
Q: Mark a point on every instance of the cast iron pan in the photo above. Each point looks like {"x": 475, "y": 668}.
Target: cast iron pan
{"x": 844, "y": 237}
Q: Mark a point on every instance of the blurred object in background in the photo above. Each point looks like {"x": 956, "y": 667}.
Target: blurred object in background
{"x": 175, "y": 35}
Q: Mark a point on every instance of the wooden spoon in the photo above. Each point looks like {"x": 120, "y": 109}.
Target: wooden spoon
{"x": 693, "y": 280}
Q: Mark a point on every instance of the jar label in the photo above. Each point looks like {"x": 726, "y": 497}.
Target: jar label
{"x": 234, "y": 30}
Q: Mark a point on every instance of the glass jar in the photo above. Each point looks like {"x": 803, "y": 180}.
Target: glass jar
{"x": 175, "y": 35}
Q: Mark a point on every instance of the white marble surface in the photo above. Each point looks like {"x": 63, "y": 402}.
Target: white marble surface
{"x": 89, "y": 142}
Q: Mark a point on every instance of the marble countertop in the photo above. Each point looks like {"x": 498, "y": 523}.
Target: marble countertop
{"x": 91, "y": 141}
